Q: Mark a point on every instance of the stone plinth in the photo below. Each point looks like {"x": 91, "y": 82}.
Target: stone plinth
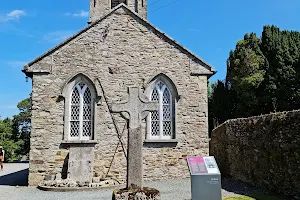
{"x": 136, "y": 194}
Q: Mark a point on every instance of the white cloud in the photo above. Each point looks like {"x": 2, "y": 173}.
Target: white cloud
{"x": 13, "y": 64}
{"x": 16, "y": 63}
{"x": 82, "y": 13}
{"x": 13, "y": 15}
{"x": 58, "y": 36}
{"x": 16, "y": 14}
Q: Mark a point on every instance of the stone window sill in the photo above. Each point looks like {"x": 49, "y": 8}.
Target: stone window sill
{"x": 79, "y": 142}
{"x": 161, "y": 141}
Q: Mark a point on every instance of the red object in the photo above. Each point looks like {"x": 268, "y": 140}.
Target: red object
{"x": 197, "y": 165}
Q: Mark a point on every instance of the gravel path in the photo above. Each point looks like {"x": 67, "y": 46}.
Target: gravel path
{"x": 170, "y": 189}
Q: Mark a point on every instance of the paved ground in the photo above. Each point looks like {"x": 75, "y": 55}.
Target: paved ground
{"x": 16, "y": 174}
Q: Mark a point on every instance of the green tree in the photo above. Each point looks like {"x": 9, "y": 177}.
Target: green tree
{"x": 221, "y": 104}
{"x": 262, "y": 76}
{"x": 15, "y": 133}
{"x": 281, "y": 84}
{"x": 8, "y": 141}
{"x": 22, "y": 124}
{"x": 245, "y": 74}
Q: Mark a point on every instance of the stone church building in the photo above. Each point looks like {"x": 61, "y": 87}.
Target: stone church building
{"x": 75, "y": 83}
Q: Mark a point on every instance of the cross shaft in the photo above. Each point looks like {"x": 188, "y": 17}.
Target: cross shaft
{"x": 137, "y": 109}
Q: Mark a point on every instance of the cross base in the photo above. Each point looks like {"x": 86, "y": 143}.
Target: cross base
{"x": 134, "y": 194}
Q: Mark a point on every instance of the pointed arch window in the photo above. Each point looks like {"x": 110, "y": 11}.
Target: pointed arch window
{"x": 81, "y": 100}
{"x": 81, "y": 112}
{"x": 162, "y": 121}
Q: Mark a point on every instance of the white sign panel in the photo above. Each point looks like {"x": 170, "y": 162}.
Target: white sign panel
{"x": 203, "y": 165}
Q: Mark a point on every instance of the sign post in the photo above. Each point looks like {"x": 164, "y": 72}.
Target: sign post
{"x": 205, "y": 178}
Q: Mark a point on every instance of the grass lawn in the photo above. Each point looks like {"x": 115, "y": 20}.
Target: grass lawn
{"x": 253, "y": 197}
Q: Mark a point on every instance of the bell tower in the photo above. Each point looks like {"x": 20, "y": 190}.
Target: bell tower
{"x": 99, "y": 8}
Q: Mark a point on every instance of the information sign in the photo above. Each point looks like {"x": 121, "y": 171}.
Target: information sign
{"x": 205, "y": 178}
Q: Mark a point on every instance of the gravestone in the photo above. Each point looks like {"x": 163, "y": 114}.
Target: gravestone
{"x": 135, "y": 109}
{"x": 80, "y": 167}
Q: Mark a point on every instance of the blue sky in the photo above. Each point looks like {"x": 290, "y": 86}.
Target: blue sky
{"x": 209, "y": 28}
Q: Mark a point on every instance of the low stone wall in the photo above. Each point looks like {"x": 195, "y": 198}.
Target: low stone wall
{"x": 262, "y": 150}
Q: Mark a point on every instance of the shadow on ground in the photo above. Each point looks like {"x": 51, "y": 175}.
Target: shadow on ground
{"x": 239, "y": 187}
{"x": 19, "y": 178}
{"x": 246, "y": 189}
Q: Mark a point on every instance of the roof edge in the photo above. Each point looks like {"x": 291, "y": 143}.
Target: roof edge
{"x": 122, "y": 5}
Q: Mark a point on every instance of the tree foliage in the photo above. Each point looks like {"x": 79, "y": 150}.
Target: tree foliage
{"x": 262, "y": 77}
{"x": 245, "y": 73}
{"x": 8, "y": 139}
{"x": 15, "y": 133}
{"x": 22, "y": 124}
{"x": 219, "y": 105}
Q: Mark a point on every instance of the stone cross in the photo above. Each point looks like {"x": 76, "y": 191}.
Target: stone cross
{"x": 135, "y": 110}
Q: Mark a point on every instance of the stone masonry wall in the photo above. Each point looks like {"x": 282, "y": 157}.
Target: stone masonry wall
{"x": 100, "y": 8}
{"x": 262, "y": 150}
{"x": 121, "y": 52}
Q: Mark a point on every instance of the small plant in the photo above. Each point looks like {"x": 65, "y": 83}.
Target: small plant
{"x": 238, "y": 198}
{"x": 253, "y": 197}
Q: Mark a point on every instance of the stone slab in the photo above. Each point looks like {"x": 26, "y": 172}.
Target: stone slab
{"x": 80, "y": 167}
{"x": 76, "y": 189}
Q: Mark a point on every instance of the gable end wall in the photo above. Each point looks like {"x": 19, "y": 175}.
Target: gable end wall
{"x": 120, "y": 52}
